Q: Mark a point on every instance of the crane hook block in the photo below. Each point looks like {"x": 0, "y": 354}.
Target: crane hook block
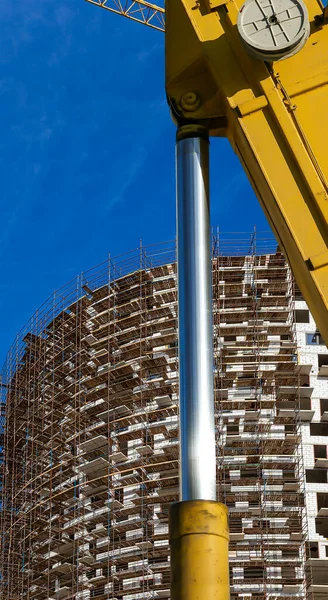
{"x": 273, "y": 31}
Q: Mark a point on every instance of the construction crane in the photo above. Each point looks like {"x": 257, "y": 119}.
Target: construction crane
{"x": 255, "y": 72}
{"x": 140, "y": 11}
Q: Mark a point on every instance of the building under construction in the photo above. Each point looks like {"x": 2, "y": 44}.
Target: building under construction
{"x": 91, "y": 440}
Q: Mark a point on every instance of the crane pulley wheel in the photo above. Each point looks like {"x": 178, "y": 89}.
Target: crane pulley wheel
{"x": 273, "y": 30}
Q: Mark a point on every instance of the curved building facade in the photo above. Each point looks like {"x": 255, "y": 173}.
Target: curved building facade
{"x": 91, "y": 437}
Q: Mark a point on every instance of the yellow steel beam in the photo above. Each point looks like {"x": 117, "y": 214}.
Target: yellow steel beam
{"x": 275, "y": 116}
{"x": 141, "y": 11}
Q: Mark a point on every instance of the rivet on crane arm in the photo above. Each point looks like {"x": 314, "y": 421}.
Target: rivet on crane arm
{"x": 190, "y": 101}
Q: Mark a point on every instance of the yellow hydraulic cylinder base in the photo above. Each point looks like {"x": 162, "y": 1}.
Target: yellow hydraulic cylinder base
{"x": 199, "y": 539}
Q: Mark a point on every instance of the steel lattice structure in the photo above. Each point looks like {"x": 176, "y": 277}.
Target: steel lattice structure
{"x": 141, "y": 11}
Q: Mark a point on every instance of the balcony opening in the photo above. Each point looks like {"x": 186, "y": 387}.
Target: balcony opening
{"x": 323, "y": 406}
{"x": 312, "y": 550}
{"x": 322, "y": 360}
{"x": 319, "y": 429}
{"x": 302, "y": 316}
{"x": 316, "y": 475}
{"x": 320, "y": 451}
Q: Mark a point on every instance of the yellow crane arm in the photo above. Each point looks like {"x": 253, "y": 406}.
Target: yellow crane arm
{"x": 141, "y": 11}
{"x": 272, "y": 108}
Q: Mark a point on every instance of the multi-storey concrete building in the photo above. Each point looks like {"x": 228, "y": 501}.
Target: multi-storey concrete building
{"x": 91, "y": 436}
{"x": 313, "y": 361}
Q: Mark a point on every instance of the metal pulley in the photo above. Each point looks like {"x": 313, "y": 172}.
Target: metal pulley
{"x": 273, "y": 30}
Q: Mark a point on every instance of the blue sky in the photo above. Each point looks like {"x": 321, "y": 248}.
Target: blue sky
{"x": 87, "y": 150}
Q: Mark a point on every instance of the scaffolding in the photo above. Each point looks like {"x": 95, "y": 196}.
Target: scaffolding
{"x": 258, "y": 387}
{"x": 91, "y": 440}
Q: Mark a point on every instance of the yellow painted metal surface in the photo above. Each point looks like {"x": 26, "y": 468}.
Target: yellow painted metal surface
{"x": 199, "y": 539}
{"x": 276, "y": 118}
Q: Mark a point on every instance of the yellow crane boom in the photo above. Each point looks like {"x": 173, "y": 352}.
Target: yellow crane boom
{"x": 140, "y": 11}
{"x": 260, "y": 78}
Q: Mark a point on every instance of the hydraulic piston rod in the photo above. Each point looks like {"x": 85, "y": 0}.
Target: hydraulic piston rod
{"x": 198, "y": 524}
{"x": 197, "y": 435}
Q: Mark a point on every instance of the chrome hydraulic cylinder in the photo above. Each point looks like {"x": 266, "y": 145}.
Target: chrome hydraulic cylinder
{"x": 197, "y": 434}
{"x": 199, "y": 533}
